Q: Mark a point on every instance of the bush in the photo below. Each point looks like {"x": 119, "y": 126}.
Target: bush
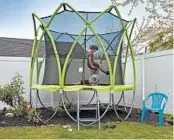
{"x": 33, "y": 116}
{"x": 169, "y": 118}
{"x": 5, "y": 96}
{"x": 12, "y": 95}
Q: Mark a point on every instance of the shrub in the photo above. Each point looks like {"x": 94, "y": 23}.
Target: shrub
{"x": 169, "y": 118}
{"x": 12, "y": 95}
{"x": 33, "y": 116}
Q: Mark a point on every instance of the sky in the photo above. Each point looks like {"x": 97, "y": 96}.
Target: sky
{"x": 16, "y": 15}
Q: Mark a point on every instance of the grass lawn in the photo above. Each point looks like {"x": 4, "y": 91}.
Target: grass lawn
{"x": 123, "y": 130}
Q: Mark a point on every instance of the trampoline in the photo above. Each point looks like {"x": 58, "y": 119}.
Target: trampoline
{"x": 68, "y": 34}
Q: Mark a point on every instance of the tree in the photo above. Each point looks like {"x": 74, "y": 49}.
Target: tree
{"x": 162, "y": 41}
{"x": 157, "y": 25}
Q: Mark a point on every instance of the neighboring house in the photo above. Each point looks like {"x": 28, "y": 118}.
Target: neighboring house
{"x": 13, "y": 47}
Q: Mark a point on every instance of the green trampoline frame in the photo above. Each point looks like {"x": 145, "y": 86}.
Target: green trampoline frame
{"x": 62, "y": 72}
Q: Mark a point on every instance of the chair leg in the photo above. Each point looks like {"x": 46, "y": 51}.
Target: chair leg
{"x": 142, "y": 115}
{"x": 147, "y": 115}
{"x": 160, "y": 119}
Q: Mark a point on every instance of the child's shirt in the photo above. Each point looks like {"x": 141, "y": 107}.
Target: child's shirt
{"x": 90, "y": 60}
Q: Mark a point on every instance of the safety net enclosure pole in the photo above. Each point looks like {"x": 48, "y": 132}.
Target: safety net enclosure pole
{"x": 35, "y": 52}
{"x": 35, "y": 46}
{"x": 134, "y": 21}
{"x": 128, "y": 87}
{"x": 129, "y": 43}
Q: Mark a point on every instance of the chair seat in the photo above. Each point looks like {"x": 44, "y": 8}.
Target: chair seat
{"x": 153, "y": 109}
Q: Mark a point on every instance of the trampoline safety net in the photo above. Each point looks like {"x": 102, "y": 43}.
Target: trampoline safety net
{"x": 65, "y": 28}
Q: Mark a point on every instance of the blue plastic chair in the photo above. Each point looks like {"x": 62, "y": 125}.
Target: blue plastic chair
{"x": 157, "y": 106}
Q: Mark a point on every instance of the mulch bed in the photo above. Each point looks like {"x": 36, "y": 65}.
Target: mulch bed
{"x": 61, "y": 118}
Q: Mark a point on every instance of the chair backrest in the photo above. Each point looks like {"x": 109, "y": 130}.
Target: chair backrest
{"x": 157, "y": 99}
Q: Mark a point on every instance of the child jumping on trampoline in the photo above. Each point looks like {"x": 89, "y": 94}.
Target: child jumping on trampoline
{"x": 92, "y": 65}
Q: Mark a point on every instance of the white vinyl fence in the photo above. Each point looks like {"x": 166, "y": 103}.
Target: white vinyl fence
{"x": 154, "y": 73}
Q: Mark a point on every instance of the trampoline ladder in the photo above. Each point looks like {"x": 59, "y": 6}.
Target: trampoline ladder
{"x": 95, "y": 108}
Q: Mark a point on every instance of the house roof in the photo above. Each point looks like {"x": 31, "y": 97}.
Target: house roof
{"x": 13, "y": 47}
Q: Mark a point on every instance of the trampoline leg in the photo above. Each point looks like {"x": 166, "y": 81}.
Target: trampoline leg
{"x": 98, "y": 109}
{"x": 112, "y": 99}
{"x": 78, "y": 123}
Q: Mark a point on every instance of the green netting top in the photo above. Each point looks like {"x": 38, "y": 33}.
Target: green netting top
{"x": 67, "y": 25}
{"x": 68, "y": 21}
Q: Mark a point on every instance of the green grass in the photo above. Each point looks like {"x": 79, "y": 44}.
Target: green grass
{"x": 124, "y": 130}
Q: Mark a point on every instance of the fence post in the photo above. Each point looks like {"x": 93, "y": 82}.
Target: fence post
{"x": 143, "y": 75}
